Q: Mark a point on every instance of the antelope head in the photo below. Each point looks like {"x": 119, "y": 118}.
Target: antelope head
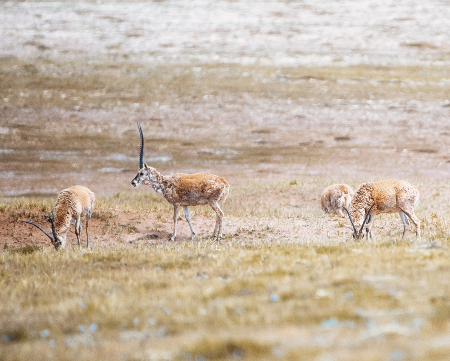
{"x": 56, "y": 240}
{"x": 359, "y": 234}
{"x": 143, "y": 174}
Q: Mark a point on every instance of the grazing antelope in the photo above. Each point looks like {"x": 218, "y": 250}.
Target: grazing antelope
{"x": 184, "y": 190}
{"x": 386, "y": 196}
{"x": 72, "y": 204}
{"x": 336, "y": 196}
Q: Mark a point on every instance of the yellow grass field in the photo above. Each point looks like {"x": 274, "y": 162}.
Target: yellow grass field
{"x": 286, "y": 284}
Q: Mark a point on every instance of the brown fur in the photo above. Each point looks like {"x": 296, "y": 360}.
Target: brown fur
{"x": 187, "y": 190}
{"x": 71, "y": 204}
{"x": 334, "y": 197}
{"x": 387, "y": 196}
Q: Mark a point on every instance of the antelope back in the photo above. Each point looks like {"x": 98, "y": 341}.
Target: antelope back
{"x": 73, "y": 202}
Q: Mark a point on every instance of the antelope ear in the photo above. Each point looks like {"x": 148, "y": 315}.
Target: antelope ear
{"x": 145, "y": 166}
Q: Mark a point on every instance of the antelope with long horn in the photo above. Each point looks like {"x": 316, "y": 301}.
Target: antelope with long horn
{"x": 335, "y": 197}
{"x": 72, "y": 204}
{"x": 386, "y": 196}
{"x": 184, "y": 190}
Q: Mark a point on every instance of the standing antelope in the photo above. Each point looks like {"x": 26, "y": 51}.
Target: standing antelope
{"x": 72, "y": 204}
{"x": 184, "y": 190}
{"x": 386, "y": 196}
{"x": 336, "y": 196}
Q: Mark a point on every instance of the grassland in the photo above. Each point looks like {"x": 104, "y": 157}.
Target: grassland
{"x": 207, "y": 300}
{"x": 284, "y": 283}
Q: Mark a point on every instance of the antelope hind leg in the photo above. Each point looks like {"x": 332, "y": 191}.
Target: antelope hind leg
{"x": 87, "y": 234}
{"x": 219, "y": 217}
{"x": 216, "y": 226}
{"x": 186, "y": 213}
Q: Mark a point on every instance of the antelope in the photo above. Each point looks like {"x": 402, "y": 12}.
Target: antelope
{"x": 336, "y": 196}
{"x": 386, "y": 196}
{"x": 184, "y": 190}
{"x": 71, "y": 204}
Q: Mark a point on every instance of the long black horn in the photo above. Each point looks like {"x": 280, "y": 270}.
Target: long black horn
{"x": 40, "y": 229}
{"x": 367, "y": 216}
{"x": 141, "y": 149}
{"x": 351, "y": 220}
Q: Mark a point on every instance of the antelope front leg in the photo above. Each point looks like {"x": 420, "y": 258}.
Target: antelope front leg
{"x": 369, "y": 228}
{"x": 368, "y": 233}
{"x": 405, "y": 222}
{"x": 414, "y": 219}
{"x": 186, "y": 213}
{"x": 78, "y": 229}
{"x": 175, "y": 219}
{"x": 76, "y": 233}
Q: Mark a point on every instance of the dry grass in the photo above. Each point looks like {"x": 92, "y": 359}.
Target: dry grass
{"x": 187, "y": 300}
{"x": 248, "y": 297}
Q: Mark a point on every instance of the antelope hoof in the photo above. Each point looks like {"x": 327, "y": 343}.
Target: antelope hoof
{"x": 172, "y": 238}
